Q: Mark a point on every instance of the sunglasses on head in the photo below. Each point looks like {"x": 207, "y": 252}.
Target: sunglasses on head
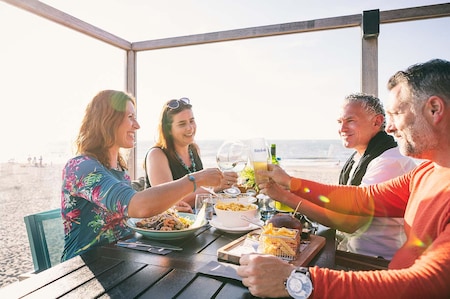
{"x": 174, "y": 104}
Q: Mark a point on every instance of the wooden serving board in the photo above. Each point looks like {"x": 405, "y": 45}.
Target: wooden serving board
{"x": 308, "y": 249}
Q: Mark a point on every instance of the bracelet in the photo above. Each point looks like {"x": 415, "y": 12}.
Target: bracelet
{"x": 192, "y": 179}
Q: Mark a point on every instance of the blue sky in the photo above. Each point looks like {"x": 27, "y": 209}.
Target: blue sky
{"x": 286, "y": 87}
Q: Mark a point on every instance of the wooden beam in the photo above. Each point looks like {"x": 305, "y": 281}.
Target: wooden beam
{"x": 391, "y": 16}
{"x": 415, "y": 13}
{"x": 62, "y": 18}
{"x": 252, "y": 32}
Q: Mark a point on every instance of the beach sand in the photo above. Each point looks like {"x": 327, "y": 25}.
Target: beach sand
{"x": 26, "y": 189}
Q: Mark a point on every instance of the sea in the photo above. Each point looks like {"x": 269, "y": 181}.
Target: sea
{"x": 321, "y": 152}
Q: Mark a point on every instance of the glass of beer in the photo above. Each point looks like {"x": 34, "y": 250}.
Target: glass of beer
{"x": 259, "y": 158}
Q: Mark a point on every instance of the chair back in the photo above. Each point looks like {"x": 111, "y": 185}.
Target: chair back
{"x": 46, "y": 237}
{"x": 354, "y": 261}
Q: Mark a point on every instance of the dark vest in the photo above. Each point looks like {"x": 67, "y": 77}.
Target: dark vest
{"x": 178, "y": 171}
{"x": 380, "y": 143}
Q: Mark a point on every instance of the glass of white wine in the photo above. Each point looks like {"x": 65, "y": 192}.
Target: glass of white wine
{"x": 232, "y": 156}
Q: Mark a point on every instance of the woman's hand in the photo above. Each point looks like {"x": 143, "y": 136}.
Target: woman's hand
{"x": 208, "y": 177}
{"x": 229, "y": 179}
{"x": 182, "y": 206}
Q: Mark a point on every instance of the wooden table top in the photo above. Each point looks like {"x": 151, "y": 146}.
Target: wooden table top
{"x": 114, "y": 272}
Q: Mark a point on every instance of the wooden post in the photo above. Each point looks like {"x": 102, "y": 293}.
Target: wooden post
{"x": 130, "y": 83}
{"x": 369, "y": 59}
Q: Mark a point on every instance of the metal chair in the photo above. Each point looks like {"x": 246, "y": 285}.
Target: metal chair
{"x": 46, "y": 237}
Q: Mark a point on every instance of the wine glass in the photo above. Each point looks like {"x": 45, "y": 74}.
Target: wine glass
{"x": 232, "y": 156}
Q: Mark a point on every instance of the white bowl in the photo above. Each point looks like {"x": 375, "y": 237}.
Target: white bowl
{"x": 242, "y": 198}
{"x": 232, "y": 218}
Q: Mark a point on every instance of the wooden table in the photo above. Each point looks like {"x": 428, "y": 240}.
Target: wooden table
{"x": 114, "y": 272}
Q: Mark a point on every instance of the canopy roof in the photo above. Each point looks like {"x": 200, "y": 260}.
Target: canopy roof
{"x": 65, "y": 19}
{"x": 369, "y": 59}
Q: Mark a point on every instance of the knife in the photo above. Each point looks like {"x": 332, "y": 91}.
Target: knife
{"x": 148, "y": 244}
{"x": 155, "y": 250}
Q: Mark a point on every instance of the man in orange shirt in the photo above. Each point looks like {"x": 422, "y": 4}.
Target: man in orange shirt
{"x": 419, "y": 118}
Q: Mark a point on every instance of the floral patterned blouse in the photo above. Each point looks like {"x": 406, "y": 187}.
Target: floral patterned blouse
{"x": 94, "y": 204}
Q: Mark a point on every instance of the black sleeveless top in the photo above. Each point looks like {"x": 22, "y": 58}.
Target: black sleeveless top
{"x": 177, "y": 169}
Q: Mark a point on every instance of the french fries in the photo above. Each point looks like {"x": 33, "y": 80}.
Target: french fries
{"x": 282, "y": 242}
{"x": 234, "y": 206}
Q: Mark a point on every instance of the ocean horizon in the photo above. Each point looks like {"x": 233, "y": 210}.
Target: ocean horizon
{"x": 291, "y": 152}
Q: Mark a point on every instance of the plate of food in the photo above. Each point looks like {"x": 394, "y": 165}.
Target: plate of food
{"x": 169, "y": 225}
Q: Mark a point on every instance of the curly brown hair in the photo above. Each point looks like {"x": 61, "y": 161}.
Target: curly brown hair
{"x": 103, "y": 116}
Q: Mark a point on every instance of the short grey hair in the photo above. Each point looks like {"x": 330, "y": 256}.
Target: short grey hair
{"x": 370, "y": 103}
{"x": 424, "y": 80}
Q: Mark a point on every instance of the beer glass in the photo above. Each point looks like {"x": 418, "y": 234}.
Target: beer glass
{"x": 259, "y": 157}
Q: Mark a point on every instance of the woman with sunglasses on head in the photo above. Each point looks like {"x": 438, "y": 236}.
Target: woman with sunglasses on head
{"x": 175, "y": 153}
{"x": 97, "y": 195}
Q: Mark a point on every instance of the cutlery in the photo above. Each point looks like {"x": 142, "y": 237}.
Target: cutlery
{"x": 243, "y": 217}
{"x": 209, "y": 189}
{"x": 148, "y": 244}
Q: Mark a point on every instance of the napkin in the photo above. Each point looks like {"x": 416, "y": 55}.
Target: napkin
{"x": 218, "y": 269}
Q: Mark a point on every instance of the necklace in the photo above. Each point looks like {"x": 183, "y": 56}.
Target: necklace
{"x": 191, "y": 155}
{"x": 118, "y": 167}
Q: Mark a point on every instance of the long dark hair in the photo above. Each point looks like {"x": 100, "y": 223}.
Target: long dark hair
{"x": 165, "y": 138}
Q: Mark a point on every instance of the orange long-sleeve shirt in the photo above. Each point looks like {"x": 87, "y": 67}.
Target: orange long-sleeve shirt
{"x": 421, "y": 267}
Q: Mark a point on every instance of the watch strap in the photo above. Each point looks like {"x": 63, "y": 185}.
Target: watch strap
{"x": 303, "y": 270}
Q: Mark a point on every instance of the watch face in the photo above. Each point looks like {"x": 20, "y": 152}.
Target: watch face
{"x": 299, "y": 286}
{"x": 295, "y": 285}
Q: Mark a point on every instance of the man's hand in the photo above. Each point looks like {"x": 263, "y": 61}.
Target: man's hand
{"x": 277, "y": 174}
{"x": 264, "y": 275}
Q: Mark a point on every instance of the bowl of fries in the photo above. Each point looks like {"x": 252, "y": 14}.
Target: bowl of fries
{"x": 282, "y": 242}
{"x": 229, "y": 213}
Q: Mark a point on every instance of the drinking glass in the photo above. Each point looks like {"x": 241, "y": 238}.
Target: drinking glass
{"x": 205, "y": 199}
{"x": 266, "y": 207}
{"x": 232, "y": 156}
{"x": 259, "y": 156}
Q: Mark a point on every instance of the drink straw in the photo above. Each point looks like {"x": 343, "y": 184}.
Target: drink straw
{"x": 296, "y": 209}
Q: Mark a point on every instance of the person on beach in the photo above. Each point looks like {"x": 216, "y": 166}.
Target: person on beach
{"x": 97, "y": 196}
{"x": 175, "y": 153}
{"x": 419, "y": 118}
{"x": 376, "y": 159}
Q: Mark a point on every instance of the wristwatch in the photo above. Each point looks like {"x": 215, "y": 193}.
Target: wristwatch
{"x": 192, "y": 179}
{"x": 299, "y": 284}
